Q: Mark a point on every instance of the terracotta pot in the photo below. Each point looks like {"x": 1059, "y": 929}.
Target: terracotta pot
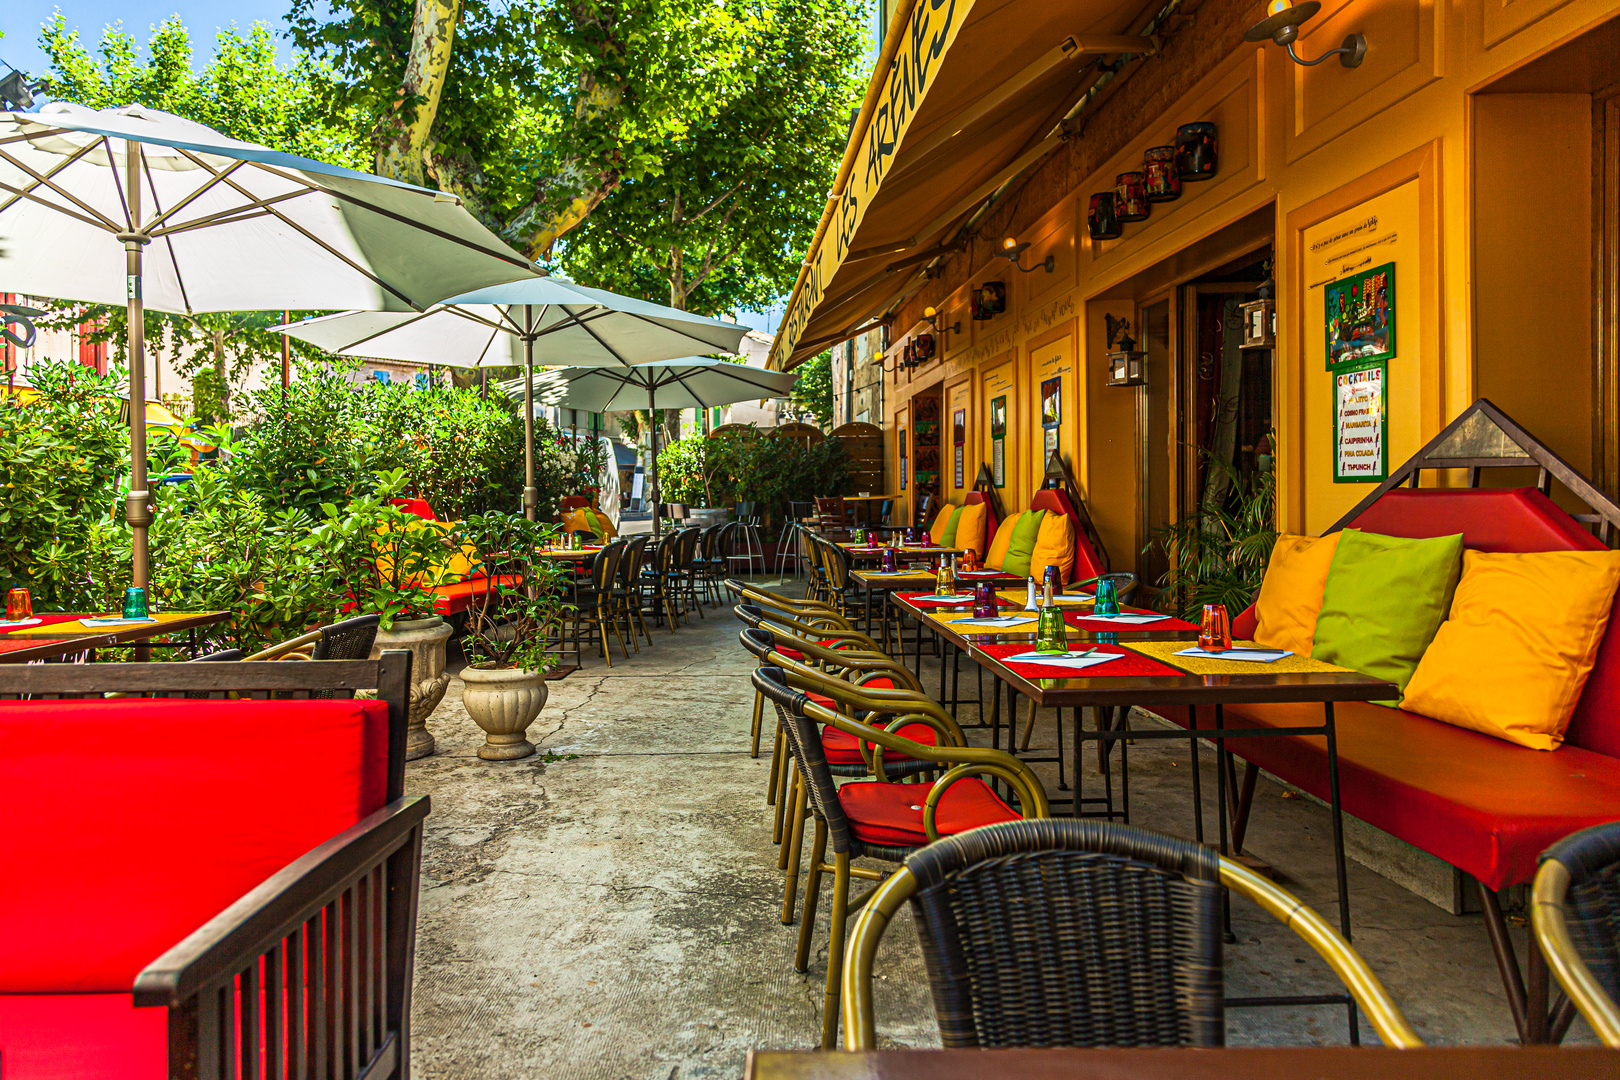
{"x": 504, "y": 702}
{"x": 426, "y": 639}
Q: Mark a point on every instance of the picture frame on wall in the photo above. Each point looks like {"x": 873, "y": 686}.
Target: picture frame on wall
{"x": 1358, "y": 314}
{"x": 1051, "y": 402}
{"x": 998, "y": 439}
{"x": 959, "y": 444}
{"x": 903, "y": 469}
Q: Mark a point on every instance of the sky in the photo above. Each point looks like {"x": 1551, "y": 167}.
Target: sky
{"x": 20, "y": 21}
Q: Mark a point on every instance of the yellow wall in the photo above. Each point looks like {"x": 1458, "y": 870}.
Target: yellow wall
{"x": 1479, "y": 200}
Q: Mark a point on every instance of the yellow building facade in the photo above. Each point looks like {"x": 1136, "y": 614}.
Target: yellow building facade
{"x": 1444, "y": 219}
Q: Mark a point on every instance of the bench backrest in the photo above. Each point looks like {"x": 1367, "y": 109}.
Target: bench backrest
{"x": 131, "y": 822}
{"x": 1505, "y": 520}
{"x": 1087, "y": 562}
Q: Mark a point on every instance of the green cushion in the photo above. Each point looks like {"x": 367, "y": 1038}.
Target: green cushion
{"x": 949, "y": 538}
{"x": 1385, "y": 598}
{"x": 1023, "y": 543}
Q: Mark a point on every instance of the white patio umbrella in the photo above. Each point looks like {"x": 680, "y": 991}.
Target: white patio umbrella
{"x": 139, "y": 207}
{"x": 693, "y": 382}
{"x": 500, "y": 326}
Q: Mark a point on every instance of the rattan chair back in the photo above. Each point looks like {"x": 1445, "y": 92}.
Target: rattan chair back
{"x": 631, "y": 560}
{"x": 686, "y": 549}
{"x": 804, "y": 743}
{"x": 605, "y": 568}
{"x": 1576, "y": 914}
{"x": 351, "y": 639}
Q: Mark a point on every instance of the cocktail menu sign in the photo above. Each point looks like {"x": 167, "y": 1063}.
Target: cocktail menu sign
{"x": 1360, "y": 425}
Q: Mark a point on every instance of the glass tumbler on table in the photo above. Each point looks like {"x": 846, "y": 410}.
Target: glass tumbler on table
{"x": 135, "y": 603}
{"x": 19, "y": 605}
{"x": 1051, "y": 632}
{"x": 984, "y": 600}
{"x": 887, "y": 564}
{"x": 1216, "y": 632}
{"x": 1107, "y": 598}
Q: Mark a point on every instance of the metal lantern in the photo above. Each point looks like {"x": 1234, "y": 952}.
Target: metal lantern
{"x": 1259, "y": 324}
{"x": 1127, "y": 365}
{"x": 1101, "y": 221}
{"x": 1196, "y": 151}
{"x": 1130, "y": 197}
{"x": 1159, "y": 167}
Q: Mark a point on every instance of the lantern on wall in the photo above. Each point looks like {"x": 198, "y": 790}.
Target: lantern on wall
{"x": 1101, "y": 221}
{"x": 922, "y": 348}
{"x": 1130, "y": 197}
{"x": 1127, "y": 365}
{"x": 1260, "y": 319}
{"x": 1196, "y": 151}
{"x": 1159, "y": 168}
{"x": 989, "y": 300}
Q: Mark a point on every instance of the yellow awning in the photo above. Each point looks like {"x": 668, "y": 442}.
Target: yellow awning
{"x": 966, "y": 95}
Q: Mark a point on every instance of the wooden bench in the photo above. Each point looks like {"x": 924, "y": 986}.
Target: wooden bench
{"x": 457, "y": 596}
{"x": 1483, "y": 805}
{"x": 200, "y": 886}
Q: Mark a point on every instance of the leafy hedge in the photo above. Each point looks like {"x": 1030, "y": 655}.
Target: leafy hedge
{"x": 754, "y": 467}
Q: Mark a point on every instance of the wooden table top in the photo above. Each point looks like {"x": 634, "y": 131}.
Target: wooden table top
{"x": 1082, "y": 690}
{"x": 568, "y": 553}
{"x": 65, "y": 638}
{"x": 1257, "y": 1063}
{"x": 868, "y": 498}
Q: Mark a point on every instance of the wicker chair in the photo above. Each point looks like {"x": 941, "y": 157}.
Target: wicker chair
{"x": 628, "y": 598}
{"x": 1081, "y": 933}
{"x": 871, "y": 819}
{"x": 707, "y": 563}
{"x": 1575, "y": 908}
{"x": 686, "y": 572}
{"x": 658, "y": 595}
{"x": 595, "y": 602}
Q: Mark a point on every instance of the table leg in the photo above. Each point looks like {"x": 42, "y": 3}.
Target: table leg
{"x": 1220, "y": 799}
{"x": 1197, "y": 782}
{"x": 1339, "y": 868}
{"x": 944, "y": 654}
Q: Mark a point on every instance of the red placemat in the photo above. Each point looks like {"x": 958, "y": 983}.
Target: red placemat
{"x": 1084, "y": 622}
{"x": 1132, "y": 664}
{"x": 46, "y": 618}
{"x": 961, "y": 603}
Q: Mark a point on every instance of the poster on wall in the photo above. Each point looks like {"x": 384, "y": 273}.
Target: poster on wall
{"x": 1360, "y": 425}
{"x": 998, "y": 437}
{"x": 959, "y": 443}
{"x": 1359, "y": 312}
{"x": 1051, "y": 414}
{"x": 903, "y": 470}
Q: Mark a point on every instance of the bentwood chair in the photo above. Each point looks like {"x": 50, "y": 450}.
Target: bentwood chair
{"x": 627, "y": 597}
{"x": 877, "y": 819}
{"x": 1081, "y": 933}
{"x": 659, "y": 595}
{"x": 595, "y": 603}
{"x": 686, "y": 572}
{"x": 1575, "y": 909}
{"x": 709, "y": 559}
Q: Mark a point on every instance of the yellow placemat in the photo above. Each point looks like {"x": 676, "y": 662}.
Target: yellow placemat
{"x": 872, "y": 577}
{"x": 968, "y": 631}
{"x": 77, "y": 628}
{"x": 1067, "y": 600}
{"x": 1165, "y": 651}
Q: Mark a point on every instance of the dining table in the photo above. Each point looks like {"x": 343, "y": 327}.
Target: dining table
{"x": 63, "y": 635}
{"x": 867, "y": 503}
{"x": 1214, "y": 1063}
{"x": 1114, "y": 664}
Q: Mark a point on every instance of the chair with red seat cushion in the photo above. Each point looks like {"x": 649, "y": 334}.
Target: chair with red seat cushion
{"x": 419, "y": 507}
{"x": 160, "y": 847}
{"x": 874, "y": 819}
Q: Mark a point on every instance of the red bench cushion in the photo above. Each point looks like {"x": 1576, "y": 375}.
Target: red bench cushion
{"x": 459, "y": 596}
{"x": 1087, "y": 562}
{"x": 891, "y": 814}
{"x": 139, "y": 821}
{"x": 82, "y": 1037}
{"x": 1479, "y": 803}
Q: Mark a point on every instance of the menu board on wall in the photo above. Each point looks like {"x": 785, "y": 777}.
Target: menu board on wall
{"x": 998, "y": 439}
{"x": 1360, "y": 425}
{"x": 959, "y": 443}
{"x": 903, "y": 470}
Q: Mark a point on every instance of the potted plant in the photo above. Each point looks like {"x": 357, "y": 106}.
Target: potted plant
{"x": 385, "y": 561}
{"x": 509, "y": 625}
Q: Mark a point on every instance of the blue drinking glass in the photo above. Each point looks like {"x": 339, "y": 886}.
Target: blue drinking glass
{"x": 1107, "y": 598}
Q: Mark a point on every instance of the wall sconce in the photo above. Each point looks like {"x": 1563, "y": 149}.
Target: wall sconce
{"x": 1127, "y": 365}
{"x": 989, "y": 300}
{"x": 931, "y": 317}
{"x": 1260, "y": 319}
{"x": 1013, "y": 249}
{"x": 1282, "y": 24}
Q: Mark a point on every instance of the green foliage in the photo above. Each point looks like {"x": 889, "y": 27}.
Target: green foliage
{"x": 386, "y": 558}
{"x": 813, "y": 392}
{"x": 719, "y": 221}
{"x": 746, "y": 465}
{"x": 510, "y": 624}
{"x": 1218, "y": 556}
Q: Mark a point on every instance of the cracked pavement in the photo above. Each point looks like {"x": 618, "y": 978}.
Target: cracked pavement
{"x": 615, "y": 914}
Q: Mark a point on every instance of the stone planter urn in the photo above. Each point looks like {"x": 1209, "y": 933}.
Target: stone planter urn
{"x": 504, "y": 702}
{"x": 426, "y": 640}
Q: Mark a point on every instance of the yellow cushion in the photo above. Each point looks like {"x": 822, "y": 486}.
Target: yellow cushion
{"x": 1291, "y": 592}
{"x": 1054, "y": 546}
{"x": 1511, "y": 659}
{"x": 936, "y": 531}
{"x": 585, "y": 519}
{"x": 606, "y": 529}
{"x": 970, "y": 527}
{"x": 998, "y": 547}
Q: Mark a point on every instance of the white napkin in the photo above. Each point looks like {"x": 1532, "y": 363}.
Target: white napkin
{"x": 1073, "y": 660}
{"x": 955, "y": 598}
{"x": 115, "y": 620}
{"x": 12, "y": 624}
{"x": 994, "y": 620}
{"x": 1258, "y": 656}
{"x": 1128, "y": 617}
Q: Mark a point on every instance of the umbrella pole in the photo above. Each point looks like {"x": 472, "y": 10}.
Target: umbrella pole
{"x": 136, "y": 509}
{"x": 531, "y": 497}
{"x": 652, "y": 423}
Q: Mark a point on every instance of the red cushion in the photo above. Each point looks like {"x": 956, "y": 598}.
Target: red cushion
{"x": 459, "y": 596}
{"x": 140, "y": 820}
{"x": 419, "y": 507}
{"x": 1479, "y": 803}
{"x": 82, "y": 1037}
{"x": 891, "y": 814}
{"x": 842, "y": 748}
{"x": 1087, "y": 563}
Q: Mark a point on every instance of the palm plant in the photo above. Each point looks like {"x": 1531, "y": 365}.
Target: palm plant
{"x": 1218, "y": 554}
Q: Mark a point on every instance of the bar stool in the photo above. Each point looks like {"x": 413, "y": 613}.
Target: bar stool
{"x": 798, "y": 517}
{"x": 747, "y": 515}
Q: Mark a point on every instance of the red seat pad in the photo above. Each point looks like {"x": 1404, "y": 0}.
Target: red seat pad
{"x": 1481, "y": 804}
{"x": 82, "y": 1037}
{"x": 138, "y": 821}
{"x": 826, "y": 643}
{"x": 459, "y": 596}
{"x": 842, "y": 748}
{"x": 891, "y": 814}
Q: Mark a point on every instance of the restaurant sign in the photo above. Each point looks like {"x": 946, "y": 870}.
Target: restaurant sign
{"x": 928, "y": 36}
{"x": 1360, "y": 425}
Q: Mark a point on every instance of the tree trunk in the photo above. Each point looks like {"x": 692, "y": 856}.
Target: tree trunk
{"x": 402, "y": 135}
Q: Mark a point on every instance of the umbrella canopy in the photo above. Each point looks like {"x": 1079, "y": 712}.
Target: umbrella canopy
{"x": 693, "y": 382}
{"x": 139, "y": 207}
{"x": 495, "y": 326}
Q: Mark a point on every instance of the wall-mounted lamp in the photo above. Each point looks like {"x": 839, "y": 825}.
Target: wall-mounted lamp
{"x": 1282, "y": 23}
{"x": 16, "y": 92}
{"x": 1013, "y": 250}
{"x": 1127, "y": 365}
{"x": 931, "y": 317}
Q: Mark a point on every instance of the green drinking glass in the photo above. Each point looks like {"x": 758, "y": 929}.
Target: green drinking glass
{"x": 1051, "y": 632}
